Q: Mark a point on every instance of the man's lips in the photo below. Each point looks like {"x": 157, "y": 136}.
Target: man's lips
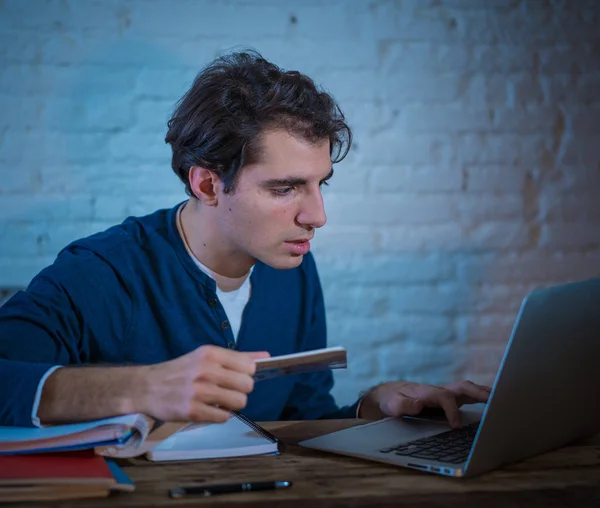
{"x": 299, "y": 247}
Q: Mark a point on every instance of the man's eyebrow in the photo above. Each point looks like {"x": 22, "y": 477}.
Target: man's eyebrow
{"x": 285, "y": 182}
{"x": 292, "y": 181}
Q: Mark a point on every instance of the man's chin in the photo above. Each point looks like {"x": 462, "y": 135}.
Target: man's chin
{"x": 284, "y": 262}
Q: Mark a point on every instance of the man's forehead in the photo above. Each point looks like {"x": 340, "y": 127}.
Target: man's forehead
{"x": 281, "y": 154}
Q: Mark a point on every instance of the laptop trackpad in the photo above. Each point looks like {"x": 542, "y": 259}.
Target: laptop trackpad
{"x": 384, "y": 433}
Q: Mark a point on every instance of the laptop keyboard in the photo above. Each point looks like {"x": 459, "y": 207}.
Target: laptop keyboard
{"x": 452, "y": 446}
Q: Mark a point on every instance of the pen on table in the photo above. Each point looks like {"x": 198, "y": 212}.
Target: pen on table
{"x": 227, "y": 488}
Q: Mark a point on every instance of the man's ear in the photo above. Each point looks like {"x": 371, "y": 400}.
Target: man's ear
{"x": 205, "y": 185}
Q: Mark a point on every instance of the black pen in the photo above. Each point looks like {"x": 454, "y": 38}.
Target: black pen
{"x": 211, "y": 490}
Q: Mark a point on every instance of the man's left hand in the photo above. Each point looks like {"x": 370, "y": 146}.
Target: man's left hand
{"x": 405, "y": 398}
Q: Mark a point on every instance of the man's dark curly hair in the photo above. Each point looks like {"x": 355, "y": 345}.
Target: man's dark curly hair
{"x": 218, "y": 122}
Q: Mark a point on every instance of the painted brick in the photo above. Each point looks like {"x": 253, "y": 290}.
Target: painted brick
{"x": 568, "y": 235}
{"x": 530, "y": 120}
{"x": 561, "y": 207}
{"x": 147, "y": 147}
{"x": 43, "y": 239}
{"x": 576, "y": 178}
{"x": 131, "y": 51}
{"x": 424, "y": 364}
{"x": 558, "y": 88}
{"x": 54, "y": 14}
{"x": 95, "y": 114}
{"x": 152, "y": 115}
{"x": 348, "y": 178}
{"x": 494, "y": 178}
{"x": 214, "y": 19}
{"x": 19, "y": 239}
{"x": 356, "y": 239}
{"x": 502, "y": 58}
{"x": 64, "y": 81}
{"x": 15, "y": 181}
{"x": 439, "y": 57}
{"x": 409, "y": 22}
{"x": 17, "y": 271}
{"x": 160, "y": 84}
{"x": 482, "y": 363}
{"x": 20, "y": 113}
{"x": 116, "y": 179}
{"x": 389, "y": 148}
{"x": 525, "y": 90}
{"x": 380, "y": 331}
{"x": 471, "y": 181}
{"x": 383, "y": 209}
{"x": 427, "y": 118}
{"x": 420, "y": 57}
{"x": 501, "y": 235}
{"x": 509, "y": 26}
{"x": 333, "y": 55}
{"x": 491, "y": 298}
{"x": 580, "y": 151}
{"x": 485, "y": 90}
{"x": 46, "y": 207}
{"x": 58, "y": 235}
{"x": 17, "y": 47}
{"x": 386, "y": 269}
{"x": 485, "y": 148}
{"x": 382, "y": 301}
{"x": 484, "y": 330}
{"x": 569, "y": 58}
{"x": 436, "y": 237}
{"x": 477, "y": 208}
{"x": 528, "y": 267}
{"x": 116, "y": 208}
{"x": 50, "y": 145}
{"x": 586, "y": 120}
{"x": 415, "y": 179}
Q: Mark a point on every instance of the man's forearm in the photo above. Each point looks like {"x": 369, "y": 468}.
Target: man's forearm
{"x": 74, "y": 394}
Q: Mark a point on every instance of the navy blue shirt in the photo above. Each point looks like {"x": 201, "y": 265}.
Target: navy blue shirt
{"x": 133, "y": 295}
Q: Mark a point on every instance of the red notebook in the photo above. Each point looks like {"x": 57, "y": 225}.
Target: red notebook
{"x": 73, "y": 468}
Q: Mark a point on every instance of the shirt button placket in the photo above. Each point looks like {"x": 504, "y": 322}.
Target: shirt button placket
{"x": 225, "y": 325}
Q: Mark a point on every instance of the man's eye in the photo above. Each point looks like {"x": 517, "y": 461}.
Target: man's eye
{"x": 283, "y": 191}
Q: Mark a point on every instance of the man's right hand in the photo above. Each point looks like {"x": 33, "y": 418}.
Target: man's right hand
{"x": 202, "y": 385}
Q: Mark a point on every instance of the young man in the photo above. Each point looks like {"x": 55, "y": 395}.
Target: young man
{"x": 165, "y": 314}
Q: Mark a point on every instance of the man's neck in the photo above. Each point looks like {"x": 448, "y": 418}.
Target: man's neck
{"x": 200, "y": 234}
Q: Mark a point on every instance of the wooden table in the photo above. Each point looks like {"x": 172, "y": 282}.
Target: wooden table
{"x": 566, "y": 477}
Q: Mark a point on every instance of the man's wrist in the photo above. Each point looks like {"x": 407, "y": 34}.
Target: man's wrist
{"x": 138, "y": 398}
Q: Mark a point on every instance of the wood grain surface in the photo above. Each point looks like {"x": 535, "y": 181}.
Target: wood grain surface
{"x": 566, "y": 477}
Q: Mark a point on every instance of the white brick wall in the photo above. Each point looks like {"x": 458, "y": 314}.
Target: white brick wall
{"x": 475, "y": 175}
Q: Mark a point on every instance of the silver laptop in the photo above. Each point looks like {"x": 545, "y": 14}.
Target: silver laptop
{"x": 546, "y": 394}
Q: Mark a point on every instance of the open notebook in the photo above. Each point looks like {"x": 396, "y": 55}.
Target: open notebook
{"x": 237, "y": 437}
{"x": 137, "y": 434}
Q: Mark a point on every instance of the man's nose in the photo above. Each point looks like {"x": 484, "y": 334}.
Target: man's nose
{"x": 312, "y": 213}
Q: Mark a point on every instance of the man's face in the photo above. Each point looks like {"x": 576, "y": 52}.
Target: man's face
{"x": 277, "y": 203}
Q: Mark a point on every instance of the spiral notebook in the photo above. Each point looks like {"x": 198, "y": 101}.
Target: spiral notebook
{"x": 237, "y": 437}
